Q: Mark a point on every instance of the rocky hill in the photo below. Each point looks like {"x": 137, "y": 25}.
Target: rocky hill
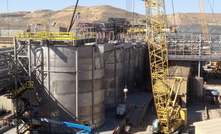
{"x": 19, "y": 20}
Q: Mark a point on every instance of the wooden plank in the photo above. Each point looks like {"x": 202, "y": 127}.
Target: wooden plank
{"x": 6, "y": 38}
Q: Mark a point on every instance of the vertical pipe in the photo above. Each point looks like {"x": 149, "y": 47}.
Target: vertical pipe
{"x": 29, "y": 69}
{"x": 77, "y": 90}
{"x": 115, "y": 76}
{"x": 16, "y": 86}
{"x": 124, "y": 75}
{"x": 138, "y": 69}
{"x": 191, "y": 45}
{"x": 129, "y": 78}
{"x": 134, "y": 70}
{"x": 199, "y": 69}
{"x": 199, "y": 56}
{"x": 48, "y": 84}
{"x": 92, "y": 84}
{"x": 146, "y": 32}
{"x": 200, "y": 44}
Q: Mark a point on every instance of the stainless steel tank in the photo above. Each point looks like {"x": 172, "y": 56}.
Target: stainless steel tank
{"x": 141, "y": 50}
{"x": 114, "y": 73}
{"x": 131, "y": 83}
{"x": 109, "y": 80}
{"x": 56, "y": 86}
{"x": 126, "y": 66}
{"x": 119, "y": 74}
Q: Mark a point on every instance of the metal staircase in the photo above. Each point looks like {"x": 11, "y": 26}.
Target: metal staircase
{"x": 20, "y": 90}
{"x": 27, "y": 124}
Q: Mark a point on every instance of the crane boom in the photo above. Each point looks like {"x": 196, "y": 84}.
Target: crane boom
{"x": 167, "y": 110}
{"x": 203, "y": 20}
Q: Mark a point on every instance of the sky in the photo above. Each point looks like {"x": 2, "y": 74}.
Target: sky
{"x": 180, "y": 6}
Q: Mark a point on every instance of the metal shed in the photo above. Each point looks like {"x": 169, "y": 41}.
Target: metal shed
{"x": 208, "y": 126}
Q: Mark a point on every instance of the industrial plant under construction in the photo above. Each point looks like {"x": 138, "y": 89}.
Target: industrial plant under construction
{"x": 119, "y": 75}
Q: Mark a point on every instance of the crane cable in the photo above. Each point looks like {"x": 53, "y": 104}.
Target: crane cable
{"x": 173, "y": 13}
{"x": 212, "y": 8}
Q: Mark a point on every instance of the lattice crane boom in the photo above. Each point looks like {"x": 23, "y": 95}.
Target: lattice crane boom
{"x": 203, "y": 20}
{"x": 168, "y": 112}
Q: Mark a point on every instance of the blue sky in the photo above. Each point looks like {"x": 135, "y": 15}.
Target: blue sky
{"x": 181, "y": 6}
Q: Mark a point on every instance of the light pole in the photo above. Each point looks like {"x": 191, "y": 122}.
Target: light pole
{"x": 125, "y": 95}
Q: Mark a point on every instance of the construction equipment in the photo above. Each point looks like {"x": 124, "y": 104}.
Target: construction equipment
{"x": 217, "y": 68}
{"x": 170, "y": 115}
{"x": 203, "y": 20}
{"x": 84, "y": 129}
{"x": 211, "y": 64}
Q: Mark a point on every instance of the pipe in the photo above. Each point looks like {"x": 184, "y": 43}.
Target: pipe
{"x": 6, "y": 128}
{"x": 29, "y": 69}
{"x": 48, "y": 84}
{"x": 16, "y": 86}
{"x": 77, "y": 90}
{"x": 32, "y": 27}
{"x": 115, "y": 76}
{"x": 38, "y": 25}
{"x": 93, "y": 84}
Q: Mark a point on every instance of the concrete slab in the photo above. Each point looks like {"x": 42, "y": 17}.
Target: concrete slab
{"x": 110, "y": 116}
{"x": 110, "y": 123}
{"x": 138, "y": 99}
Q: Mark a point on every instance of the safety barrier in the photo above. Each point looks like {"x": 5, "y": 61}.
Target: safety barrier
{"x": 55, "y": 36}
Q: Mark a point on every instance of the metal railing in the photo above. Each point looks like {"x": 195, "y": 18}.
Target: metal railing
{"x": 193, "y": 48}
{"x": 14, "y": 94}
{"x": 56, "y": 36}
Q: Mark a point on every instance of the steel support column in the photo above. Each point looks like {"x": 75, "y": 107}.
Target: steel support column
{"x": 48, "y": 84}
{"x": 77, "y": 90}
{"x": 93, "y": 84}
{"x": 199, "y": 67}
{"x": 115, "y": 76}
{"x": 16, "y": 80}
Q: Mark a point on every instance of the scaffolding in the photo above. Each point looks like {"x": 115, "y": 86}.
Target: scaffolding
{"x": 193, "y": 47}
{"x": 22, "y": 76}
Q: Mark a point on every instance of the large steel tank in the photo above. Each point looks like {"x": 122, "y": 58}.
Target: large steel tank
{"x": 140, "y": 52}
{"x": 119, "y": 53}
{"x": 126, "y": 66}
{"x": 114, "y": 73}
{"x": 132, "y": 58}
{"x": 56, "y": 86}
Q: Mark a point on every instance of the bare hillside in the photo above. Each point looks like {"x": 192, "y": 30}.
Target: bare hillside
{"x": 19, "y": 20}
{"x": 183, "y": 19}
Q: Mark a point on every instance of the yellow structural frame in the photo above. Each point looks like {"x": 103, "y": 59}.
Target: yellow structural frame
{"x": 167, "y": 109}
{"x": 13, "y": 94}
{"x": 203, "y": 20}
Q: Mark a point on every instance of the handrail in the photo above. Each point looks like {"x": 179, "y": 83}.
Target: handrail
{"x": 55, "y": 36}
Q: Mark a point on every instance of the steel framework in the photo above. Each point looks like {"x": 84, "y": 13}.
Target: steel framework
{"x": 191, "y": 47}
{"x": 167, "y": 110}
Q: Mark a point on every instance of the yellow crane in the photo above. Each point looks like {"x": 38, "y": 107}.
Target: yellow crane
{"x": 203, "y": 20}
{"x": 169, "y": 113}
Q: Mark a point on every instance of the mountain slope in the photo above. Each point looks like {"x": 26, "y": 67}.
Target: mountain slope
{"x": 20, "y": 20}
